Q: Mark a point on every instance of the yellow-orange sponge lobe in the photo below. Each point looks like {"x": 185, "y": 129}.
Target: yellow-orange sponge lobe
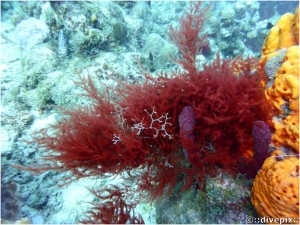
{"x": 272, "y": 41}
{"x": 287, "y": 131}
{"x": 283, "y": 35}
{"x": 290, "y": 63}
{"x": 296, "y": 32}
{"x": 286, "y": 24}
{"x": 275, "y": 191}
{"x": 285, "y": 89}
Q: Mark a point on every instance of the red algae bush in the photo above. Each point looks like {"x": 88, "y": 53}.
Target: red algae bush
{"x": 133, "y": 129}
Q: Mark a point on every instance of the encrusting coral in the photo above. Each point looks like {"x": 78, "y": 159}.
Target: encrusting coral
{"x": 275, "y": 192}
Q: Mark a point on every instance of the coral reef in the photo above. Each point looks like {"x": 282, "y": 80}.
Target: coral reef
{"x": 225, "y": 201}
{"x": 275, "y": 191}
{"x": 16, "y": 120}
{"x": 31, "y": 32}
{"x": 154, "y": 43}
{"x": 117, "y": 122}
{"x": 133, "y": 130}
{"x": 163, "y": 60}
{"x": 120, "y": 32}
{"x": 128, "y": 135}
{"x": 240, "y": 27}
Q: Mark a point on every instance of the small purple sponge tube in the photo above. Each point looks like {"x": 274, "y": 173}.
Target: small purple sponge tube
{"x": 187, "y": 122}
{"x": 262, "y": 137}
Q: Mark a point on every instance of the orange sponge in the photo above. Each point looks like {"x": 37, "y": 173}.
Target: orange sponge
{"x": 287, "y": 132}
{"x": 296, "y": 31}
{"x": 286, "y": 83}
{"x": 272, "y": 41}
{"x": 284, "y": 93}
{"x": 282, "y": 35}
{"x": 286, "y": 24}
{"x": 275, "y": 191}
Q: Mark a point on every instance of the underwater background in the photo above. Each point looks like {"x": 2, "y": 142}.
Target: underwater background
{"x": 44, "y": 43}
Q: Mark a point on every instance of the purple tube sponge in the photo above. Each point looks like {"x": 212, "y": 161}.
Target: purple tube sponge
{"x": 186, "y": 121}
{"x": 262, "y": 137}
